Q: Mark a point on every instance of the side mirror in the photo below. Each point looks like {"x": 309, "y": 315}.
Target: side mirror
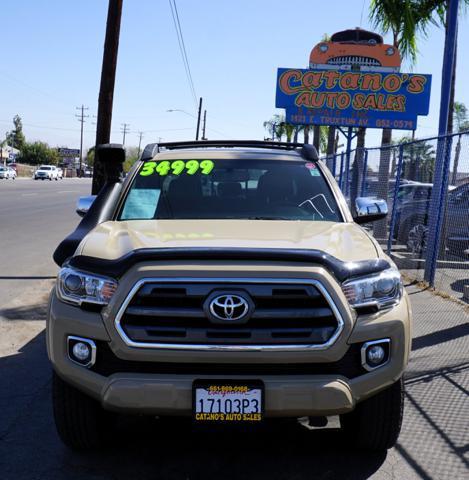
{"x": 369, "y": 209}
{"x": 84, "y": 204}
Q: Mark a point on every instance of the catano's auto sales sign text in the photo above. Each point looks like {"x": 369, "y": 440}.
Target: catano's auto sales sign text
{"x": 353, "y": 99}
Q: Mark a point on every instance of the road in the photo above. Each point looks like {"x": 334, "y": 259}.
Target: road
{"x": 434, "y": 443}
{"x": 34, "y": 217}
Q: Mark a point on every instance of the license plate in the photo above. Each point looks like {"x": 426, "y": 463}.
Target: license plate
{"x": 228, "y": 402}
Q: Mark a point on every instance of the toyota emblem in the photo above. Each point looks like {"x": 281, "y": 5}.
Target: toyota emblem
{"x": 229, "y": 307}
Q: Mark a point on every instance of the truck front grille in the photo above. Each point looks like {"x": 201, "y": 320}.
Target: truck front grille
{"x": 107, "y": 363}
{"x": 166, "y": 313}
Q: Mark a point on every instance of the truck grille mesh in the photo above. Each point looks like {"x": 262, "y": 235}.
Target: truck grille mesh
{"x": 283, "y": 314}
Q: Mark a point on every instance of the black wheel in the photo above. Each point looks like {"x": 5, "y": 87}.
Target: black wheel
{"x": 375, "y": 423}
{"x": 81, "y": 423}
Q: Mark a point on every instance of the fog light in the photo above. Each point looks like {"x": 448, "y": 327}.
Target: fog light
{"x": 81, "y": 351}
{"x": 375, "y": 354}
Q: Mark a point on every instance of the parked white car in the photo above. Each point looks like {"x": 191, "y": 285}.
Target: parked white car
{"x": 46, "y": 172}
{"x": 7, "y": 172}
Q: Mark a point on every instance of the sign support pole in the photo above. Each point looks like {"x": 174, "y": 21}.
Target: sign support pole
{"x": 344, "y": 180}
{"x": 347, "y": 159}
{"x": 443, "y": 155}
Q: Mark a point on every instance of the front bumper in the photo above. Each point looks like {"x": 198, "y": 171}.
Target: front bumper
{"x": 286, "y": 395}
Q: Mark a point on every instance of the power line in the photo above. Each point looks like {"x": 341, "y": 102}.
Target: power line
{"x": 81, "y": 119}
{"x": 361, "y": 16}
{"x": 125, "y": 129}
{"x": 182, "y": 48}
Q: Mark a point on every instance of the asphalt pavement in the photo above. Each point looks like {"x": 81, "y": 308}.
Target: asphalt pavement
{"x": 434, "y": 443}
{"x": 35, "y": 215}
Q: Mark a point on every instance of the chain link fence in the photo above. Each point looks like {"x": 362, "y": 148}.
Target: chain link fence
{"x": 419, "y": 211}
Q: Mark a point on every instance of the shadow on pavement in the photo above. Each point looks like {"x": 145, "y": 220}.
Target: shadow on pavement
{"x": 433, "y": 443}
{"x": 13, "y": 277}
{"x": 445, "y": 335}
{"x": 458, "y": 286}
{"x": 145, "y": 448}
{"x": 28, "y": 312}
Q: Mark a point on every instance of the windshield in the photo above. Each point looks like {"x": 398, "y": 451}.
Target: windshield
{"x": 44, "y": 168}
{"x": 230, "y": 189}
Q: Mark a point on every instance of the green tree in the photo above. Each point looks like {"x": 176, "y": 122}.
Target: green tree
{"x": 90, "y": 157}
{"x": 38, "y": 153}
{"x": 459, "y": 115}
{"x": 419, "y": 159}
{"x": 278, "y": 128}
{"x": 405, "y": 19}
{"x": 15, "y": 138}
{"x": 131, "y": 156}
{"x": 275, "y": 127}
{"x": 462, "y": 124}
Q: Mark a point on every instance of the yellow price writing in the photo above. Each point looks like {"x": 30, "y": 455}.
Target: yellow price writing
{"x": 177, "y": 167}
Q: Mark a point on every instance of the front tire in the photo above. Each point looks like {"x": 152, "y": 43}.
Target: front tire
{"x": 376, "y": 422}
{"x": 81, "y": 422}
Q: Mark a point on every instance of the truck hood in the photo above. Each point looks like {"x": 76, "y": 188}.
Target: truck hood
{"x": 111, "y": 240}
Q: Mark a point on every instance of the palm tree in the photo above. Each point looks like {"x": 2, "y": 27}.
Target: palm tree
{"x": 276, "y": 127}
{"x": 419, "y": 159}
{"x": 404, "y": 19}
{"x": 462, "y": 124}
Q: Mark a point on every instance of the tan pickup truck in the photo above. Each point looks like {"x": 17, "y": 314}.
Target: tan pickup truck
{"x": 227, "y": 282}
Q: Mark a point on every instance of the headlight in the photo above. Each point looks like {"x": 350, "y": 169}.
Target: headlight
{"x": 381, "y": 290}
{"x": 78, "y": 287}
{"x": 323, "y": 47}
{"x": 390, "y": 51}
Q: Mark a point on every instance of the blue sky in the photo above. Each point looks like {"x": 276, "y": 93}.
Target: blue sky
{"x": 52, "y": 53}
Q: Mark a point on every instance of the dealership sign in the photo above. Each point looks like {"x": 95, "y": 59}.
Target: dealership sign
{"x": 69, "y": 152}
{"x": 353, "y": 99}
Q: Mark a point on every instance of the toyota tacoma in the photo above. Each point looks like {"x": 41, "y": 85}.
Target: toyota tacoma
{"x": 227, "y": 282}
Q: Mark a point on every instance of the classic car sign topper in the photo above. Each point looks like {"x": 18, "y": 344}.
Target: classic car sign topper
{"x": 358, "y": 86}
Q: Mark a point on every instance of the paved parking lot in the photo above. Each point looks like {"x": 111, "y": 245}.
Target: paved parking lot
{"x": 434, "y": 443}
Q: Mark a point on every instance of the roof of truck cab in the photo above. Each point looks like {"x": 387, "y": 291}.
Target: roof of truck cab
{"x": 230, "y": 153}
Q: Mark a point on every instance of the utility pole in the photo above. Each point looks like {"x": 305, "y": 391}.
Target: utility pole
{"x": 124, "y": 130}
{"x": 198, "y": 119}
{"x": 106, "y": 90}
{"x": 205, "y": 124}
{"x": 81, "y": 119}
{"x": 140, "y": 136}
